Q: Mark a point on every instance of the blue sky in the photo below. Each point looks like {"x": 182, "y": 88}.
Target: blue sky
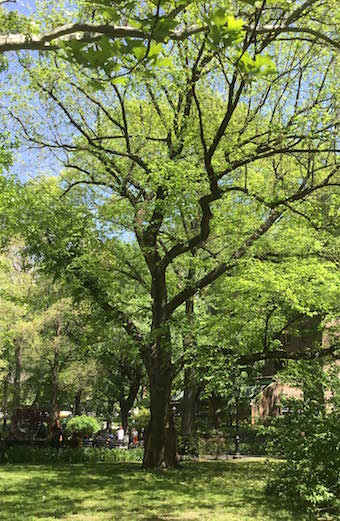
{"x": 23, "y": 6}
{"x": 28, "y": 163}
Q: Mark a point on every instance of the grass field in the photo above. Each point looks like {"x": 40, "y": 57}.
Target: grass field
{"x": 206, "y": 491}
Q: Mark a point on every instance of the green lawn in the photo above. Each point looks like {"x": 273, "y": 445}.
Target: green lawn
{"x": 209, "y": 491}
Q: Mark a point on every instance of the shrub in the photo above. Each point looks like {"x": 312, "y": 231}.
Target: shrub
{"x": 55, "y": 456}
{"x": 308, "y": 437}
{"x": 219, "y": 442}
{"x": 213, "y": 443}
{"x": 82, "y": 426}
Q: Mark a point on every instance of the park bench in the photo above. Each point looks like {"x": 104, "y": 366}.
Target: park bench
{"x": 117, "y": 444}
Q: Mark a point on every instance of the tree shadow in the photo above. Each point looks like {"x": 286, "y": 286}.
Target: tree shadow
{"x": 58, "y": 491}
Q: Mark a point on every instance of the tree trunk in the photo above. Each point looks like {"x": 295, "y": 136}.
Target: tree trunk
{"x": 53, "y": 409}
{"x": 160, "y": 443}
{"x": 17, "y": 377}
{"x": 126, "y": 404}
{"x": 5, "y": 404}
{"x": 77, "y": 403}
{"x": 191, "y": 389}
{"x": 216, "y": 405}
{"x": 124, "y": 415}
{"x": 170, "y": 442}
{"x": 191, "y": 392}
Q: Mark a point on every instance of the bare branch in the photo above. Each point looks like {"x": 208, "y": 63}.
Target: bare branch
{"x": 332, "y": 351}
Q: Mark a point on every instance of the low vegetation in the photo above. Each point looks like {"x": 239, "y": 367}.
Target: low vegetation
{"x": 205, "y": 491}
{"x": 69, "y": 455}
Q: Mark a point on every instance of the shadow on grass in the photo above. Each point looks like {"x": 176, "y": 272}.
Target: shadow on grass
{"x": 126, "y": 490}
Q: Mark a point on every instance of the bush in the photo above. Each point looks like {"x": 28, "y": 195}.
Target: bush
{"x": 56, "y": 456}
{"x": 308, "y": 437}
{"x": 82, "y": 426}
{"x": 211, "y": 443}
{"x": 217, "y": 442}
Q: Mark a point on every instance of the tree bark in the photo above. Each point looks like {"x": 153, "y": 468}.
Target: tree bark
{"x": 191, "y": 389}
{"x": 53, "y": 409}
{"x": 160, "y": 445}
{"x": 191, "y": 392}
{"x": 5, "y": 404}
{"x": 216, "y": 406}
{"x": 77, "y": 403}
{"x": 127, "y": 403}
{"x": 124, "y": 414}
{"x": 17, "y": 377}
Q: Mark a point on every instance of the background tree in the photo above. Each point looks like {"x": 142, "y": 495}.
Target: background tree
{"x": 18, "y": 327}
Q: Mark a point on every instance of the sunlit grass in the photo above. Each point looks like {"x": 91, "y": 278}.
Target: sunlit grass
{"x": 205, "y": 491}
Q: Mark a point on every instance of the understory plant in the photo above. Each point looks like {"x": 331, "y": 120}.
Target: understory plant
{"x": 308, "y": 437}
{"x": 42, "y": 456}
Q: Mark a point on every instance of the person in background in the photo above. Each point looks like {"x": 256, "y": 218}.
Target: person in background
{"x": 134, "y": 435}
{"x": 57, "y": 434}
{"x": 120, "y": 434}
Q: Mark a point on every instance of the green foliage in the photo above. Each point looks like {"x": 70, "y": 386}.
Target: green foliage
{"x": 47, "y": 456}
{"x": 262, "y": 64}
{"x": 9, "y": 197}
{"x": 141, "y": 418}
{"x": 221, "y": 442}
{"x": 213, "y": 443}
{"x": 308, "y": 437}
{"x": 82, "y": 425}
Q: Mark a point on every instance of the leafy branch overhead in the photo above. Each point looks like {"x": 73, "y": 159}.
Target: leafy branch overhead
{"x": 128, "y": 30}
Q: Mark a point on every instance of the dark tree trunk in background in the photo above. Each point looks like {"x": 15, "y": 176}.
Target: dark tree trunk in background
{"x": 124, "y": 416}
{"x": 126, "y": 403}
{"x": 216, "y": 405}
{"x": 77, "y": 403}
{"x": 190, "y": 397}
{"x": 5, "y": 404}
{"x": 191, "y": 389}
{"x": 53, "y": 408}
{"x": 170, "y": 442}
{"x": 17, "y": 377}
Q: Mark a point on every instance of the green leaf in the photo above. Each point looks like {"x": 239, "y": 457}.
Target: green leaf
{"x": 112, "y": 66}
{"x": 122, "y": 80}
{"x": 262, "y": 64}
{"x": 219, "y": 17}
{"x": 234, "y": 26}
{"x": 96, "y": 85}
{"x": 164, "y": 62}
{"x": 155, "y": 49}
{"x": 106, "y": 48}
{"x": 139, "y": 50}
{"x": 163, "y": 28}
